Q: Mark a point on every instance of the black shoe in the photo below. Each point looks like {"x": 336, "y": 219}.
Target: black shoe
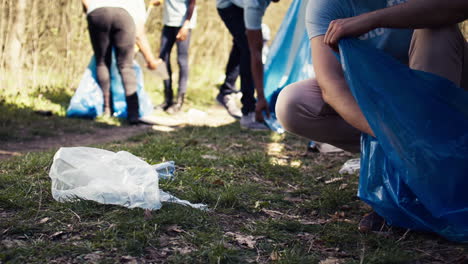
{"x": 132, "y": 109}
{"x": 168, "y": 99}
{"x": 164, "y": 106}
{"x": 133, "y": 121}
{"x": 177, "y": 106}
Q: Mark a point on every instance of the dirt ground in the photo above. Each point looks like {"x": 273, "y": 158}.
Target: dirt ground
{"x": 214, "y": 116}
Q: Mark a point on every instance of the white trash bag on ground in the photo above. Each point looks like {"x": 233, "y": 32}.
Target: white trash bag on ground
{"x": 110, "y": 178}
{"x": 351, "y": 166}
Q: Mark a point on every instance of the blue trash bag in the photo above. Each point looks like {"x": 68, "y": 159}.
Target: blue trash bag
{"x": 289, "y": 59}
{"x": 415, "y": 172}
{"x": 88, "y": 102}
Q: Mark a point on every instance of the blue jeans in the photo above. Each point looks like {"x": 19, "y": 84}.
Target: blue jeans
{"x": 168, "y": 39}
{"x": 232, "y": 71}
{"x": 233, "y": 18}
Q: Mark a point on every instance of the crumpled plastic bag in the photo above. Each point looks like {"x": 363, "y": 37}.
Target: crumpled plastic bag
{"x": 350, "y": 166}
{"x": 110, "y": 178}
{"x": 414, "y": 173}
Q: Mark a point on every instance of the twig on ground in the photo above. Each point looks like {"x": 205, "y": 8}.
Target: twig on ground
{"x": 404, "y": 235}
{"x": 430, "y": 255}
{"x": 363, "y": 252}
{"x": 217, "y": 202}
{"x": 77, "y": 216}
{"x": 40, "y": 201}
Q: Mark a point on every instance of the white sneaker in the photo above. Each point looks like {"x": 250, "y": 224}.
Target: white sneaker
{"x": 229, "y": 102}
{"x": 249, "y": 122}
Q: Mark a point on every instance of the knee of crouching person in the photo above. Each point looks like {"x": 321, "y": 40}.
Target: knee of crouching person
{"x": 286, "y": 107}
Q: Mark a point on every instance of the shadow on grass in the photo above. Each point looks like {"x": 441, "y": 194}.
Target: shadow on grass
{"x": 55, "y": 96}
{"x": 22, "y": 123}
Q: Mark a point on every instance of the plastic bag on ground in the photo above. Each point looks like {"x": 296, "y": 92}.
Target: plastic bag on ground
{"x": 351, "y": 166}
{"x": 165, "y": 170}
{"x": 88, "y": 102}
{"x": 414, "y": 173}
{"x": 110, "y": 178}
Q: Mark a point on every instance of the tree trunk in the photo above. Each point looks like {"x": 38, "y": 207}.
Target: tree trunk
{"x": 15, "y": 40}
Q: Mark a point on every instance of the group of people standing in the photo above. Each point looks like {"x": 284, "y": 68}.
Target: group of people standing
{"x": 119, "y": 25}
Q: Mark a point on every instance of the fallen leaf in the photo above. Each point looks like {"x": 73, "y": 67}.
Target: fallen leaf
{"x": 175, "y": 228}
{"x": 77, "y": 237}
{"x": 44, "y": 220}
{"x": 249, "y": 241}
{"x": 210, "y": 157}
{"x": 128, "y": 259}
{"x": 236, "y": 145}
{"x": 343, "y": 186}
{"x": 93, "y": 257}
{"x": 272, "y": 213}
{"x": 314, "y": 222}
{"x": 338, "y": 215}
{"x": 334, "y": 180}
{"x": 218, "y": 182}
{"x": 332, "y": 261}
{"x": 211, "y": 146}
{"x": 184, "y": 250}
{"x": 58, "y": 235}
{"x": 319, "y": 178}
{"x": 274, "y": 256}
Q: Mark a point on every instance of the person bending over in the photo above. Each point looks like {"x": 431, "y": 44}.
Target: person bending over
{"x": 254, "y": 12}
{"x": 118, "y": 25}
{"x": 422, "y": 34}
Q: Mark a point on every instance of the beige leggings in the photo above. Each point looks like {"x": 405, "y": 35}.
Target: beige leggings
{"x": 301, "y": 109}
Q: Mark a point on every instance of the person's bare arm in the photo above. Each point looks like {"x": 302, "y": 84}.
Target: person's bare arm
{"x": 85, "y": 5}
{"x": 255, "y": 39}
{"x": 412, "y": 14}
{"x": 184, "y": 30}
{"x": 155, "y": 2}
{"x": 334, "y": 88}
{"x": 145, "y": 48}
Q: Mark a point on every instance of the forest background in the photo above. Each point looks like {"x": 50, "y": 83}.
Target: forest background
{"x": 46, "y": 43}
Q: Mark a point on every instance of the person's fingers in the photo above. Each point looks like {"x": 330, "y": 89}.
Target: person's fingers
{"x": 333, "y": 35}
{"x": 328, "y": 33}
{"x": 181, "y": 36}
{"x": 334, "y": 27}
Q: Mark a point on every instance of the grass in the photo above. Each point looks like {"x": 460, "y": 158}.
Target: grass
{"x": 288, "y": 214}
